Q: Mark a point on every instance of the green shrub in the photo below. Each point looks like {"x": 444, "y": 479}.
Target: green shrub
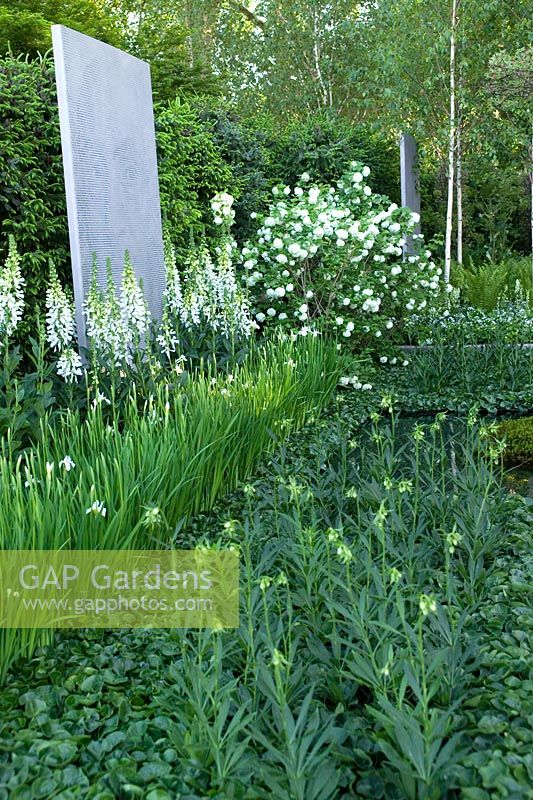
{"x": 247, "y": 151}
{"x": 23, "y": 31}
{"x": 25, "y": 25}
{"x": 496, "y": 205}
{"x": 518, "y": 434}
{"x": 191, "y": 171}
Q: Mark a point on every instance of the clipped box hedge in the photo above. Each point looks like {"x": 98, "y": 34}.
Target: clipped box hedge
{"x": 518, "y": 434}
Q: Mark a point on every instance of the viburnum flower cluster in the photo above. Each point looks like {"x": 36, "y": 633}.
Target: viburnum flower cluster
{"x": 61, "y": 329}
{"x": 332, "y": 256}
{"x": 11, "y": 291}
{"x": 222, "y": 207}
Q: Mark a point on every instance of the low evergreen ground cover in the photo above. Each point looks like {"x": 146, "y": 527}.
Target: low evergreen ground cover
{"x": 449, "y": 376}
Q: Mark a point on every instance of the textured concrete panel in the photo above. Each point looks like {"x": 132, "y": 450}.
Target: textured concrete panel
{"x": 410, "y": 178}
{"x": 110, "y": 165}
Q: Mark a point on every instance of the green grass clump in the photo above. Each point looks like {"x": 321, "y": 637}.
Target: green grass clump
{"x": 518, "y": 434}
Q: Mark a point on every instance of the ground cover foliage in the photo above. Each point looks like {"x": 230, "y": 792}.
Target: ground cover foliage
{"x": 384, "y": 647}
{"x": 496, "y": 377}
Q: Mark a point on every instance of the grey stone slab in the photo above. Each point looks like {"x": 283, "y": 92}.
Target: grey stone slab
{"x": 410, "y": 179}
{"x": 110, "y": 164}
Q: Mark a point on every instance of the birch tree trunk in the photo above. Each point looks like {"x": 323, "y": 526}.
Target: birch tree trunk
{"x": 188, "y": 39}
{"x": 451, "y": 149}
{"x": 316, "y": 56}
{"x": 459, "y": 186}
{"x": 531, "y": 218}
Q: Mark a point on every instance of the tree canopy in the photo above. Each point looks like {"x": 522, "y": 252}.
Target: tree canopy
{"x": 25, "y": 24}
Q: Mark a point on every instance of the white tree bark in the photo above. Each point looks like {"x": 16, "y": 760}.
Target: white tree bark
{"x": 531, "y": 218}
{"x": 316, "y": 56}
{"x": 451, "y": 149}
{"x": 459, "y": 183}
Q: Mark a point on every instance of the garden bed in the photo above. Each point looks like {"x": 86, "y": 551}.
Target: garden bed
{"x": 429, "y": 347}
{"x": 363, "y": 667}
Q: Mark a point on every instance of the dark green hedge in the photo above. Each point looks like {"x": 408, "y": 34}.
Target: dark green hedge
{"x": 324, "y": 147}
{"x": 247, "y": 150}
{"x": 191, "y": 171}
{"x": 32, "y": 197}
{"x": 261, "y": 155}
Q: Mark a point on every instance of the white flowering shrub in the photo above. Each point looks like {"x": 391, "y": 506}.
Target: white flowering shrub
{"x": 332, "y": 256}
{"x": 11, "y": 292}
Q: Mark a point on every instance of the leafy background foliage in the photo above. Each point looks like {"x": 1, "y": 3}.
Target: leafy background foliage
{"x": 25, "y": 24}
{"x": 323, "y": 146}
{"x": 519, "y": 437}
{"x": 203, "y": 148}
{"x": 247, "y": 149}
{"x": 32, "y": 194}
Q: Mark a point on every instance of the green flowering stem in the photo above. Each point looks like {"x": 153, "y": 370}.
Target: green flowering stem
{"x": 250, "y": 667}
{"x": 408, "y": 632}
{"x": 423, "y": 685}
